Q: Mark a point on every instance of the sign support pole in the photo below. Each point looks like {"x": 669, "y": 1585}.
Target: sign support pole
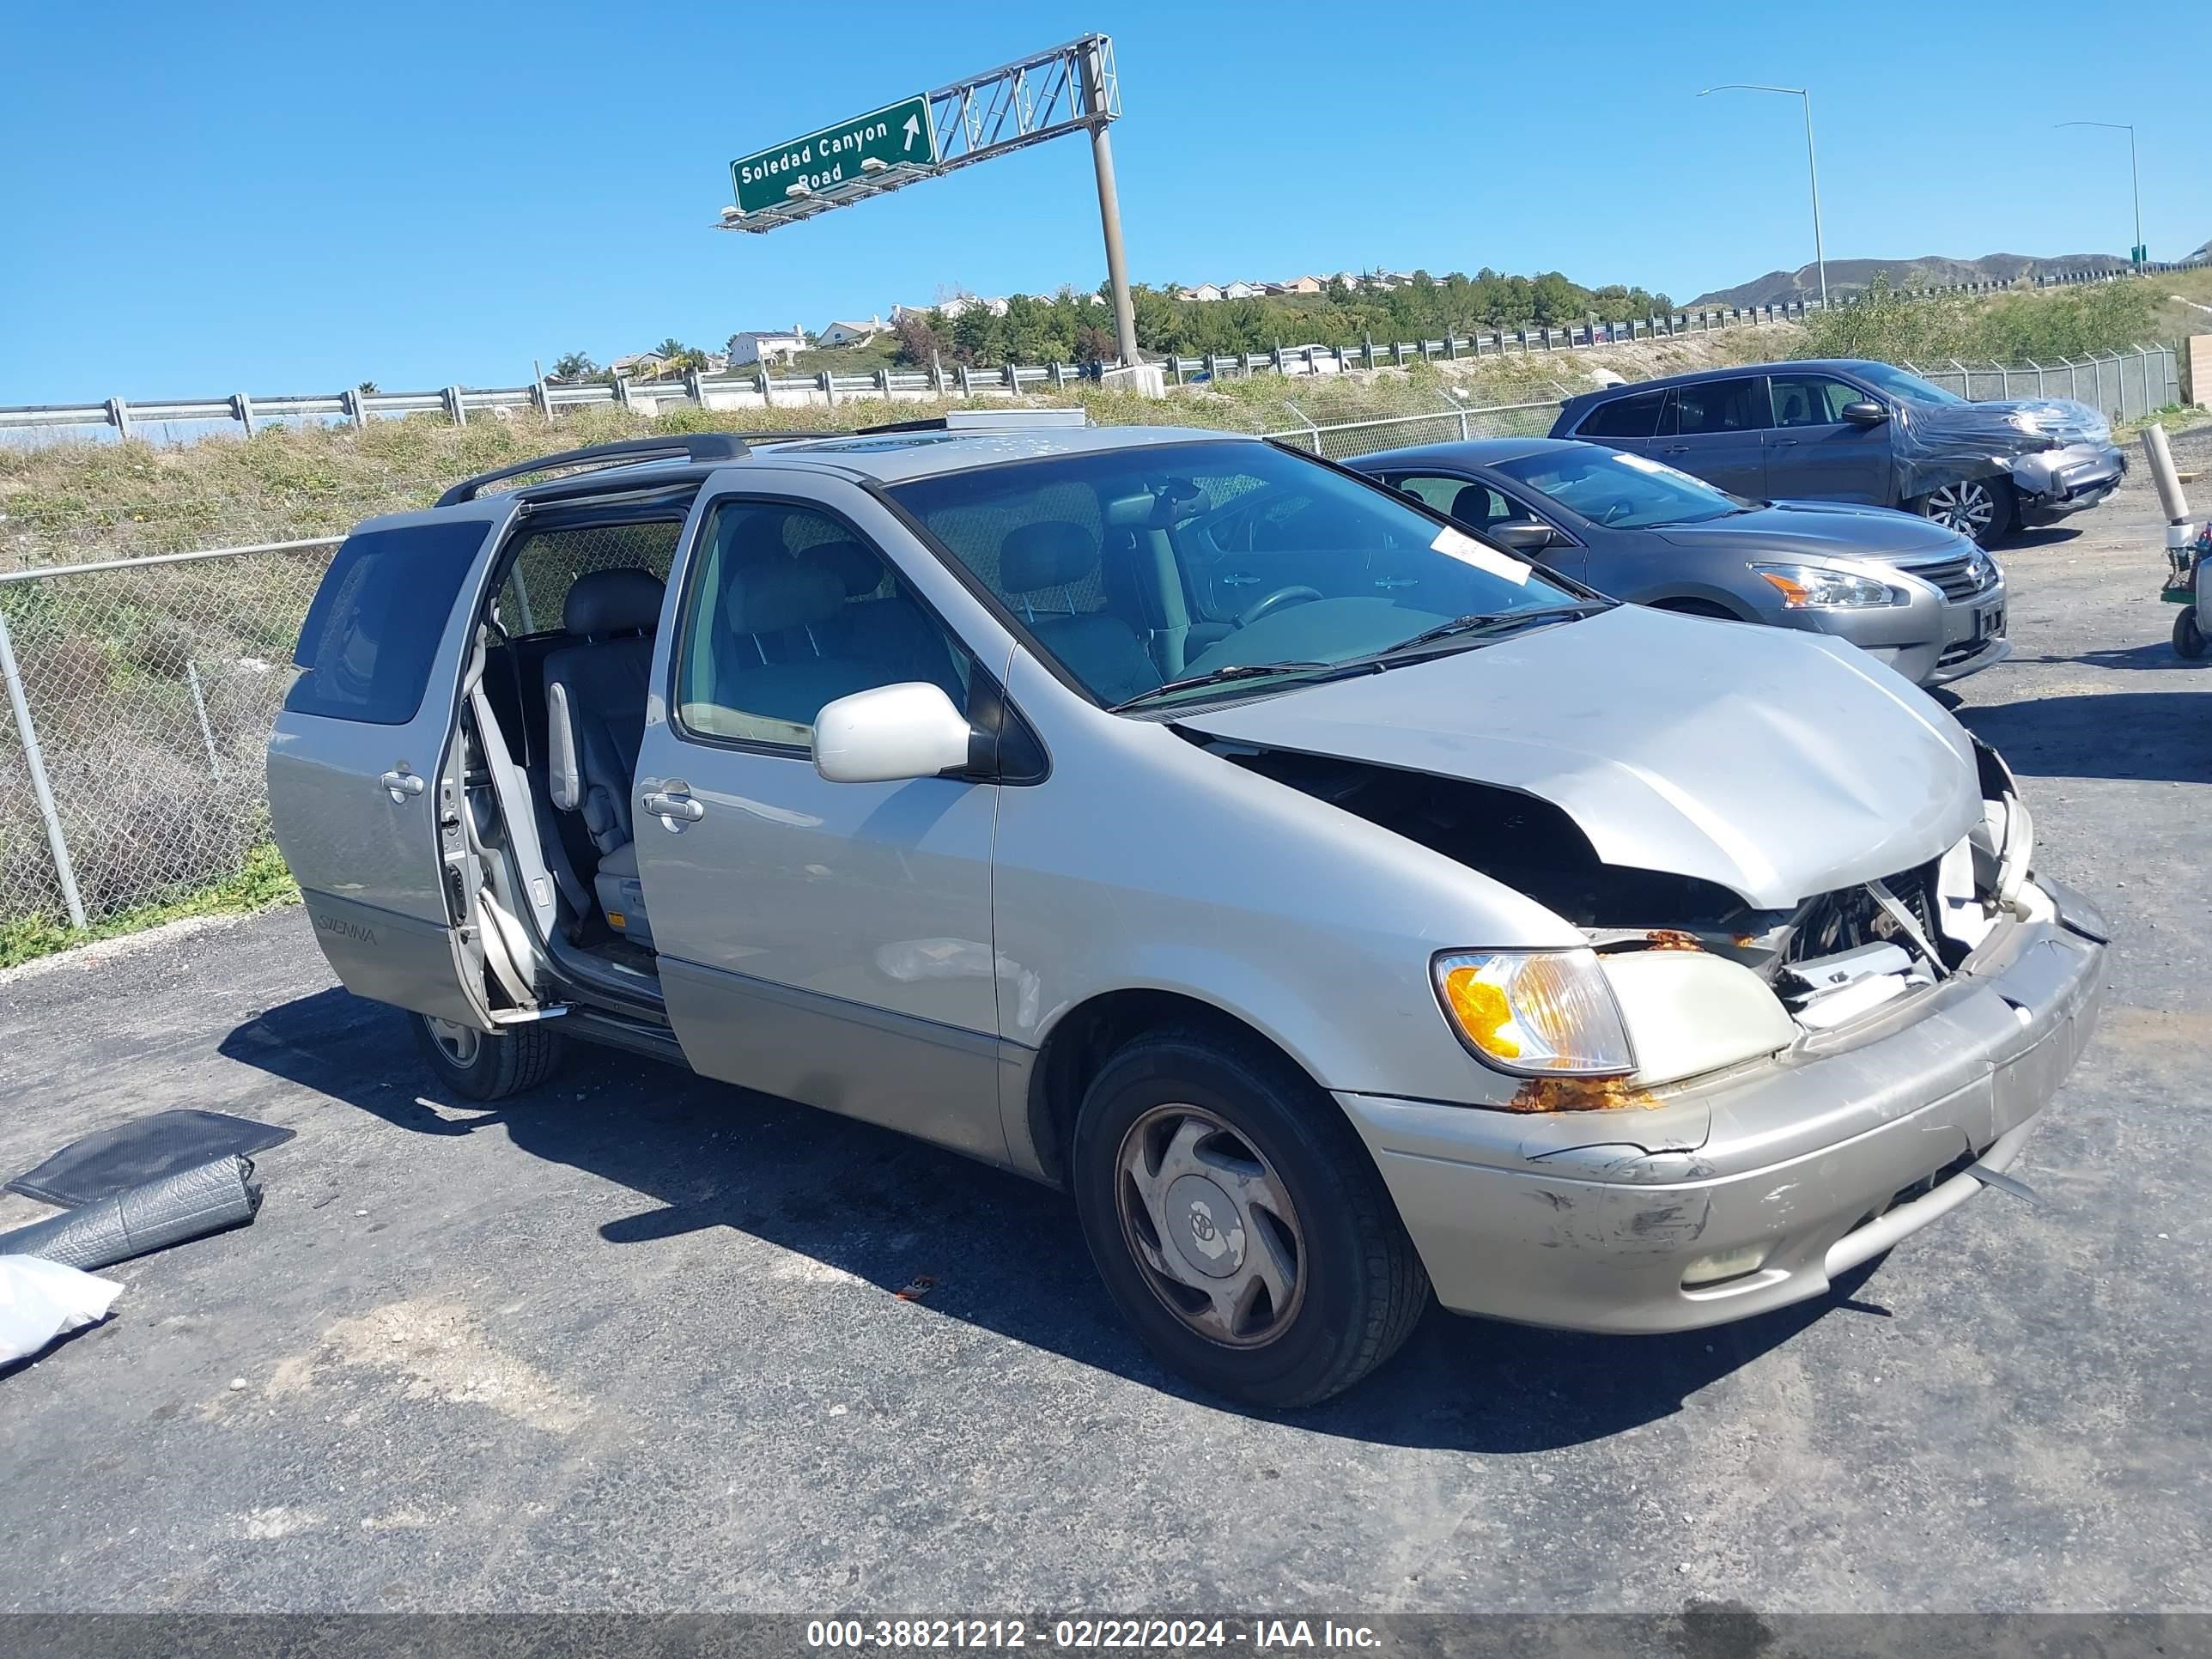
{"x": 1109, "y": 208}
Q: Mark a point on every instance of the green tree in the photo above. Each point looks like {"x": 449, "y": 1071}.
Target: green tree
{"x": 572, "y": 368}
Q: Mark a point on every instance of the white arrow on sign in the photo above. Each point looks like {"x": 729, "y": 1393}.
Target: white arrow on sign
{"x": 913, "y": 130}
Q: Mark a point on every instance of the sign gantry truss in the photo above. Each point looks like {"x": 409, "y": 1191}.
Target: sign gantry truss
{"x": 1070, "y": 89}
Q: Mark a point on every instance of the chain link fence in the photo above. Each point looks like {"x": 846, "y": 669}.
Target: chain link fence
{"x": 2127, "y": 386}
{"x": 142, "y": 695}
{"x": 1346, "y": 439}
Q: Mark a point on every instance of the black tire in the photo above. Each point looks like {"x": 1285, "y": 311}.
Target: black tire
{"x": 1361, "y": 1286}
{"x": 1959, "y": 506}
{"x": 2188, "y": 633}
{"x": 488, "y": 1065}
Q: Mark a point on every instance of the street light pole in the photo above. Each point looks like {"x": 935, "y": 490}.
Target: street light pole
{"x": 1812, "y": 169}
{"x": 2138, "y": 255}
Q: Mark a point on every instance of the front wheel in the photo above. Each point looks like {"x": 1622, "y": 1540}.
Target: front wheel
{"x": 2188, "y": 633}
{"x": 1979, "y": 507}
{"x": 487, "y": 1064}
{"x": 1239, "y": 1223}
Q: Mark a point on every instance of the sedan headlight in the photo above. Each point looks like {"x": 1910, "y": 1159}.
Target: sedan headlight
{"x": 1535, "y": 1013}
{"x": 1817, "y": 587}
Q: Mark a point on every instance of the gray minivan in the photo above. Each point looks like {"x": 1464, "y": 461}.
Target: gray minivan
{"x": 1341, "y": 908}
{"x": 1851, "y": 430}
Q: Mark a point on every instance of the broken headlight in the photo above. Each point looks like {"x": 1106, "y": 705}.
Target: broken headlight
{"x": 1817, "y": 587}
{"x": 1535, "y": 1013}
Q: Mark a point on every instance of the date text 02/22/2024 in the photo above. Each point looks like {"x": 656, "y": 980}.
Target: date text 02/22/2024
{"x": 1101, "y": 1635}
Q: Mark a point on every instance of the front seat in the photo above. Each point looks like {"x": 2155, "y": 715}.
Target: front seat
{"x": 781, "y": 656}
{"x": 1471, "y": 507}
{"x": 1048, "y": 559}
{"x": 595, "y": 692}
{"x": 889, "y": 631}
{"x": 1793, "y": 406}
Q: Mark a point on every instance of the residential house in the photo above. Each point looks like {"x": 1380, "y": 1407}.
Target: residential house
{"x": 954, "y": 307}
{"x": 1296, "y": 285}
{"x": 766, "y": 345}
{"x": 850, "y": 333}
{"x": 1242, "y": 291}
{"x": 640, "y": 366}
{"x": 1203, "y": 291}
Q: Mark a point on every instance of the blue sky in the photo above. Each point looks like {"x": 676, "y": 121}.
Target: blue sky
{"x": 201, "y": 198}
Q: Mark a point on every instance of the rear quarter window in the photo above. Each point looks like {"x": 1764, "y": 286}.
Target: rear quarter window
{"x": 367, "y": 646}
{"x": 1624, "y": 418}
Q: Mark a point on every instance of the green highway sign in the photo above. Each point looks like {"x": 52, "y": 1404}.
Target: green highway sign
{"x": 899, "y": 135}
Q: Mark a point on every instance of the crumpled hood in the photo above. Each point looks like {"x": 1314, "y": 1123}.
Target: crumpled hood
{"x": 1819, "y": 530}
{"x": 1777, "y": 763}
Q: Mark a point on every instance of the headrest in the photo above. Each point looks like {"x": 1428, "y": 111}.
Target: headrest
{"x": 858, "y": 571}
{"x": 768, "y": 599}
{"x": 1050, "y": 554}
{"x": 747, "y": 534}
{"x": 621, "y": 601}
{"x": 1472, "y": 505}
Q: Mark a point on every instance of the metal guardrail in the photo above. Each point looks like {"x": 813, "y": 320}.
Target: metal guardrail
{"x": 764, "y": 388}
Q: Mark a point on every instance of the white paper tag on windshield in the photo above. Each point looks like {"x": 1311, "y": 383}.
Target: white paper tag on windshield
{"x": 1468, "y": 551}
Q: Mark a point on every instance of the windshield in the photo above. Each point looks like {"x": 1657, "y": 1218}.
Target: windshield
{"x": 1624, "y": 492}
{"x": 1898, "y": 384}
{"x": 1168, "y": 562}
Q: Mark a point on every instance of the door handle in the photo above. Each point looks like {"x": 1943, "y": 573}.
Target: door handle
{"x": 1783, "y": 443}
{"x": 401, "y": 786}
{"x": 1678, "y": 449}
{"x": 673, "y": 811}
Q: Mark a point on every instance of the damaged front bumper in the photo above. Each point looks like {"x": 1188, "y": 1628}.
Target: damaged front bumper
{"x": 2052, "y": 482}
{"x": 1812, "y": 1162}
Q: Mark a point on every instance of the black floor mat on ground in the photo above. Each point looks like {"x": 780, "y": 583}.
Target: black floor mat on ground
{"x": 145, "y": 1149}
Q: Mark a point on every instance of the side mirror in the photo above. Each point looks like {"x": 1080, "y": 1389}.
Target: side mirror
{"x": 1522, "y": 536}
{"x": 891, "y": 733}
{"x": 1867, "y": 413}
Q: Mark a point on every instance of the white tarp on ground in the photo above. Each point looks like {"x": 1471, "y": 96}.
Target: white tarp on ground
{"x": 41, "y": 1300}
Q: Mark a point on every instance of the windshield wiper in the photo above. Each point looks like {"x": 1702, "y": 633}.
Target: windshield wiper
{"x": 1480, "y": 622}
{"x": 1234, "y": 670}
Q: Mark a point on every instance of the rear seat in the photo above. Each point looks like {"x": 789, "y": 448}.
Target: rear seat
{"x": 595, "y": 692}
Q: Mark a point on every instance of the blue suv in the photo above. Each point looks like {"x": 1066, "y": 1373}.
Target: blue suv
{"x": 1847, "y": 430}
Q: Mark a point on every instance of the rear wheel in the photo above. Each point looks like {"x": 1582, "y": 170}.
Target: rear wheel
{"x": 487, "y": 1064}
{"x": 2188, "y": 633}
{"x": 1238, "y": 1223}
{"x": 1979, "y": 507}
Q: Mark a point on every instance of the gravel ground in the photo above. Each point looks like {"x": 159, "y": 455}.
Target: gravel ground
{"x": 634, "y": 1344}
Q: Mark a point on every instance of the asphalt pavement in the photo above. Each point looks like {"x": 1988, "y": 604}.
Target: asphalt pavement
{"x": 635, "y": 1342}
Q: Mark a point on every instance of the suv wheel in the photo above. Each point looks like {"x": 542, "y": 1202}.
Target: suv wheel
{"x": 1237, "y": 1221}
{"x": 1979, "y": 507}
{"x": 487, "y": 1064}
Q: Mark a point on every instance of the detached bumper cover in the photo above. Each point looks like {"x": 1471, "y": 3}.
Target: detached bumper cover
{"x": 1855, "y": 1141}
{"x": 2055, "y": 482}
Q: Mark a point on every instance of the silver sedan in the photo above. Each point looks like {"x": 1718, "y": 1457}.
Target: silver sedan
{"x": 1921, "y": 598}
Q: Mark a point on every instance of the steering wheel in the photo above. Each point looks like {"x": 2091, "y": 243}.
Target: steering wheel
{"x": 1298, "y": 593}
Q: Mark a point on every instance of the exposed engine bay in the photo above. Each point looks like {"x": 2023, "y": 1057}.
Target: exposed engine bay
{"x": 1828, "y": 960}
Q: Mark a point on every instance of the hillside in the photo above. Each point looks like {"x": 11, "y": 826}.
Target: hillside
{"x": 1929, "y": 270}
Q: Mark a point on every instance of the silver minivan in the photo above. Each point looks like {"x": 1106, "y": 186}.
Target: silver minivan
{"x": 1341, "y": 908}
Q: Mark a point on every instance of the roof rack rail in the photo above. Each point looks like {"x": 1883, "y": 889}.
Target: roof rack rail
{"x": 684, "y": 445}
{"x": 983, "y": 420}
